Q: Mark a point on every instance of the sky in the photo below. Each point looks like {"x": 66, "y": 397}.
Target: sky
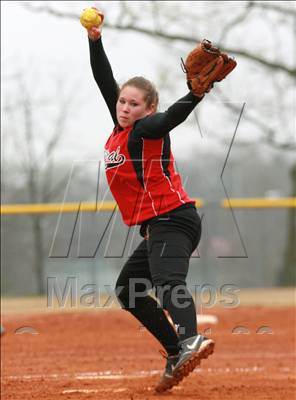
{"x": 44, "y": 47}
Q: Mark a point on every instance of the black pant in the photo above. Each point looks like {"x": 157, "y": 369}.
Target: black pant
{"x": 162, "y": 261}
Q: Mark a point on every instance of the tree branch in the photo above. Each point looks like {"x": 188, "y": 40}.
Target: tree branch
{"x": 235, "y": 21}
{"x": 186, "y": 39}
{"x": 289, "y": 11}
{"x": 269, "y": 133}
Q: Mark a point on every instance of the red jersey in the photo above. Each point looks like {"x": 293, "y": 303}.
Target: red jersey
{"x": 138, "y": 160}
{"x": 141, "y": 175}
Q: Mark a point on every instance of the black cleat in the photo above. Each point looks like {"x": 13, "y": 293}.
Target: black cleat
{"x": 193, "y": 350}
{"x": 166, "y": 381}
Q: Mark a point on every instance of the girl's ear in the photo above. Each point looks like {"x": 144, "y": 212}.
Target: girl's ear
{"x": 151, "y": 109}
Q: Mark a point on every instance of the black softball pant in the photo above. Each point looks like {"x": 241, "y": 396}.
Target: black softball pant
{"x": 162, "y": 261}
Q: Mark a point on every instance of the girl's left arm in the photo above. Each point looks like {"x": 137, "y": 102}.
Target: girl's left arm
{"x": 160, "y": 124}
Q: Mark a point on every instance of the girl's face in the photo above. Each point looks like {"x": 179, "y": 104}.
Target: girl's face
{"x": 131, "y": 106}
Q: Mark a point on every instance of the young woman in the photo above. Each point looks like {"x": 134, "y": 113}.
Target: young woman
{"x": 140, "y": 171}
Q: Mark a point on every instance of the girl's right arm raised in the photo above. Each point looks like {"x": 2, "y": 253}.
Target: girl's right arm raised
{"x": 103, "y": 75}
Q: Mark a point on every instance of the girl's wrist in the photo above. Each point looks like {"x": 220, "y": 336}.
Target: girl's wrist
{"x": 94, "y": 34}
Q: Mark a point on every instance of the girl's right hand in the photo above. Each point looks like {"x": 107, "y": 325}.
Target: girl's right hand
{"x": 95, "y": 32}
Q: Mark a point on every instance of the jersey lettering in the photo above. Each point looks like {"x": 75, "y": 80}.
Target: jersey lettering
{"x": 114, "y": 158}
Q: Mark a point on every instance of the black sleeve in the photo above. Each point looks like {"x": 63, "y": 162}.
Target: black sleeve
{"x": 103, "y": 75}
{"x": 161, "y": 123}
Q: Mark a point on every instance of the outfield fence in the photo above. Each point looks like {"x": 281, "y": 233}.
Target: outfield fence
{"x": 11, "y": 209}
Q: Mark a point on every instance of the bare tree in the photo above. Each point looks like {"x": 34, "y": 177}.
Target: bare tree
{"x": 287, "y": 276}
{"x": 131, "y": 17}
{"x": 34, "y": 164}
{"x": 158, "y": 19}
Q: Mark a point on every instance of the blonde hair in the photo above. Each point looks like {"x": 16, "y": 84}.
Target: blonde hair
{"x": 150, "y": 92}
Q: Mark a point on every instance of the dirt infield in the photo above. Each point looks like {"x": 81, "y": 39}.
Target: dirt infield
{"x": 104, "y": 354}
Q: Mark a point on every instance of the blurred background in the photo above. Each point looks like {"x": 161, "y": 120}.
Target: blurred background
{"x": 239, "y": 142}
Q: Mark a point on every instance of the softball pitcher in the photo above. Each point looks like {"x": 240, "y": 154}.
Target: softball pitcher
{"x": 140, "y": 172}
